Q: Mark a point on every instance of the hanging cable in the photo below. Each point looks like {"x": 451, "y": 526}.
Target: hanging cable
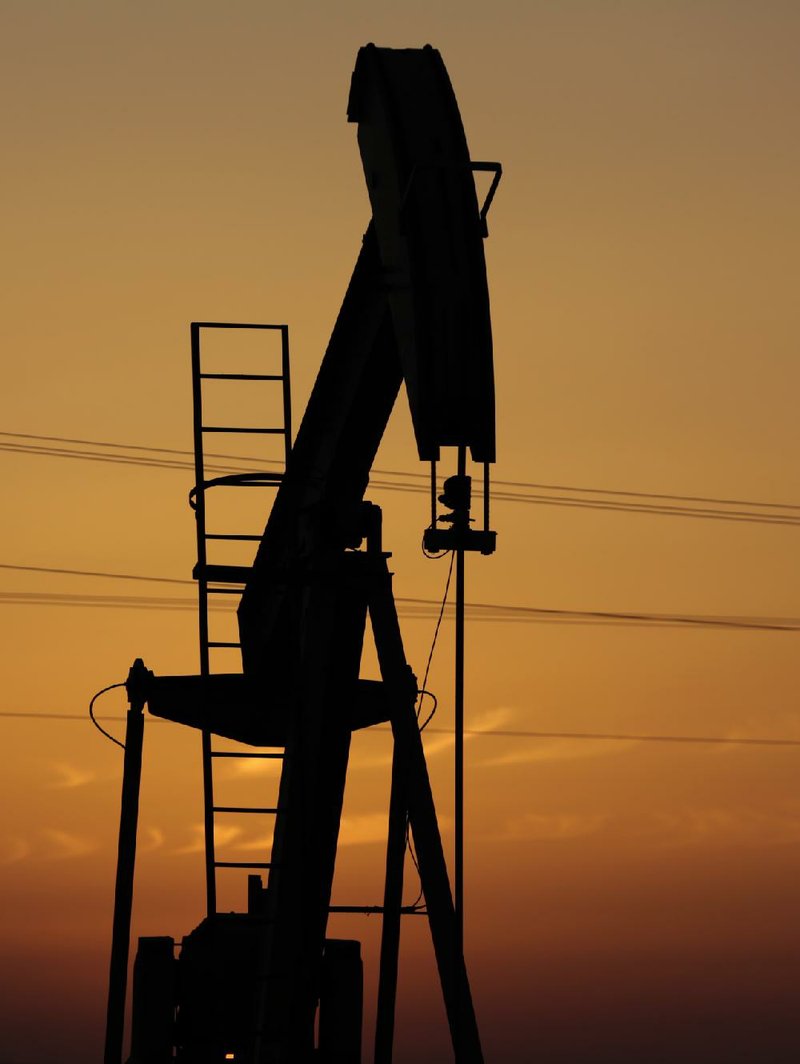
{"x": 416, "y": 904}
{"x": 429, "y": 555}
{"x": 94, "y": 720}
{"x": 435, "y": 701}
{"x": 422, "y": 690}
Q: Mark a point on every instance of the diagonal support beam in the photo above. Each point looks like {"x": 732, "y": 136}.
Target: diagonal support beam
{"x": 422, "y": 816}
{"x": 392, "y": 906}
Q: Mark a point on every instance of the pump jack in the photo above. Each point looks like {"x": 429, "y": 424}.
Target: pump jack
{"x": 252, "y": 986}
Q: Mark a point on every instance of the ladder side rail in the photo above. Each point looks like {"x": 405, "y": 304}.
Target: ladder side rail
{"x": 202, "y": 612}
{"x": 287, "y": 395}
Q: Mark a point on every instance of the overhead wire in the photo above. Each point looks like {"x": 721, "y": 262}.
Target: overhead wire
{"x": 409, "y": 607}
{"x": 623, "y": 501}
{"x": 480, "y": 733}
{"x": 95, "y": 572}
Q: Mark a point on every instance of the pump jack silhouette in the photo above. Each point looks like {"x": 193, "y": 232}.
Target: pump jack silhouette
{"x": 253, "y": 986}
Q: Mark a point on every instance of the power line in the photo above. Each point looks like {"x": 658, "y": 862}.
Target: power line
{"x": 653, "y": 503}
{"x": 481, "y": 733}
{"x": 93, "y": 572}
{"x": 508, "y": 612}
{"x": 417, "y": 608}
{"x": 623, "y": 738}
{"x": 422, "y": 609}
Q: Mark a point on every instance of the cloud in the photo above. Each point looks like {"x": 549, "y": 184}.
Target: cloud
{"x": 222, "y": 837}
{"x": 69, "y": 776}
{"x": 488, "y": 721}
{"x": 58, "y": 845}
{"x": 436, "y": 743}
{"x": 548, "y": 827}
{"x": 529, "y": 751}
{"x": 728, "y": 827}
{"x": 257, "y": 766}
{"x": 258, "y": 844}
{"x": 14, "y": 850}
{"x": 151, "y": 838}
{"x": 64, "y": 844}
{"x": 513, "y": 751}
{"x": 363, "y": 829}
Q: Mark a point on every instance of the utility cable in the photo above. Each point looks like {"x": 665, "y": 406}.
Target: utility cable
{"x": 483, "y": 733}
{"x": 92, "y": 572}
{"x": 534, "y": 485}
{"x": 416, "y": 608}
{"x": 660, "y": 503}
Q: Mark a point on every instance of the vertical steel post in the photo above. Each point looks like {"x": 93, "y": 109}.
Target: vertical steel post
{"x": 486, "y": 496}
{"x": 126, "y": 860}
{"x": 433, "y": 494}
{"x": 458, "y": 818}
{"x": 458, "y": 877}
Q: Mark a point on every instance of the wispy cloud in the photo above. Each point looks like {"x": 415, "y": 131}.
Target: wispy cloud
{"x": 256, "y": 766}
{"x": 67, "y": 776}
{"x": 488, "y": 721}
{"x": 364, "y": 828}
{"x": 151, "y": 838}
{"x": 530, "y": 751}
{"x": 14, "y": 850}
{"x": 546, "y": 827}
{"x": 360, "y": 829}
{"x": 50, "y": 844}
{"x": 223, "y": 836}
{"x": 65, "y": 844}
{"x": 436, "y": 743}
{"x": 257, "y": 843}
{"x": 728, "y": 827}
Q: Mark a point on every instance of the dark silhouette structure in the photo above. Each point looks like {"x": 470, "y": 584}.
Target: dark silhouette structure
{"x": 256, "y": 986}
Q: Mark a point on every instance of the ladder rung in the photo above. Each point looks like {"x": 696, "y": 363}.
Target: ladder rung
{"x": 405, "y": 910}
{"x": 236, "y": 325}
{"x": 241, "y": 376}
{"x": 243, "y": 864}
{"x": 222, "y": 574}
{"x": 265, "y": 478}
{"x": 248, "y": 753}
{"x": 270, "y": 480}
{"x": 235, "y": 429}
{"x": 232, "y": 536}
{"x": 218, "y": 643}
{"x": 244, "y": 809}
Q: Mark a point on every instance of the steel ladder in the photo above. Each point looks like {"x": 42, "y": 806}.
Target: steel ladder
{"x": 216, "y": 473}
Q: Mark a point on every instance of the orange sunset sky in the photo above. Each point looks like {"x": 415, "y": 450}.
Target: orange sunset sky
{"x": 178, "y": 160}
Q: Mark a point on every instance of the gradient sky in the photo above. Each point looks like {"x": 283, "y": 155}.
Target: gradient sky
{"x": 171, "y": 161}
